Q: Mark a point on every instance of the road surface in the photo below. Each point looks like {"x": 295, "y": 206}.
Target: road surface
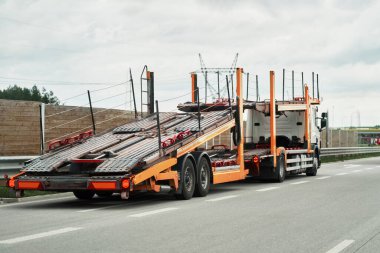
{"x": 336, "y": 211}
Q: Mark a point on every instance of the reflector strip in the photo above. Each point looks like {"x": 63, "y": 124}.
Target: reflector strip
{"x": 29, "y": 185}
{"x": 105, "y": 185}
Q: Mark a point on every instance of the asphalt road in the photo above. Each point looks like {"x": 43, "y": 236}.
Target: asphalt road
{"x": 336, "y": 211}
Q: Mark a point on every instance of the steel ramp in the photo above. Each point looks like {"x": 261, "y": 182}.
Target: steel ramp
{"x": 54, "y": 160}
{"x": 131, "y": 144}
{"x": 145, "y": 124}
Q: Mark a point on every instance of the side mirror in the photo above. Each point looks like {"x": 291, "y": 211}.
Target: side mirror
{"x": 324, "y": 115}
{"x": 323, "y": 123}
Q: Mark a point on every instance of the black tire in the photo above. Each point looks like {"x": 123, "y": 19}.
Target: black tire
{"x": 187, "y": 181}
{"x": 312, "y": 172}
{"x": 202, "y": 185}
{"x": 280, "y": 170}
{"x": 104, "y": 194}
{"x": 83, "y": 194}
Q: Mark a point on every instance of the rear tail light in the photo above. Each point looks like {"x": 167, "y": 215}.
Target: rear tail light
{"x": 256, "y": 159}
{"x": 125, "y": 184}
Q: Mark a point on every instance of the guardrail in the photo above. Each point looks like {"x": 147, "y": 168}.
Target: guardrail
{"x": 10, "y": 165}
{"x": 349, "y": 151}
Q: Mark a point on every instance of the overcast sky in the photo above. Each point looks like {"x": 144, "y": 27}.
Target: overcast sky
{"x": 67, "y": 44}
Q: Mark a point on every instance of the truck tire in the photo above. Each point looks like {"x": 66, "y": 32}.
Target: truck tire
{"x": 187, "y": 180}
{"x": 83, "y": 194}
{"x": 311, "y": 172}
{"x": 280, "y": 170}
{"x": 202, "y": 185}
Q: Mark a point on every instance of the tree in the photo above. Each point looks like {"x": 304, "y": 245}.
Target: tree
{"x": 34, "y": 94}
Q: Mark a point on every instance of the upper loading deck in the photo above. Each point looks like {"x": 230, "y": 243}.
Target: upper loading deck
{"x": 135, "y": 144}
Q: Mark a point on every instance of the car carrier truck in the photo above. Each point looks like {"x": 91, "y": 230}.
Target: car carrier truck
{"x": 165, "y": 150}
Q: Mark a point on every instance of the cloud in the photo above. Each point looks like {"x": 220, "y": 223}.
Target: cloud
{"x": 97, "y": 41}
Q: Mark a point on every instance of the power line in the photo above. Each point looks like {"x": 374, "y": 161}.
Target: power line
{"x": 52, "y": 82}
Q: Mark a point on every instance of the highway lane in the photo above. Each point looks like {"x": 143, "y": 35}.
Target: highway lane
{"x": 336, "y": 211}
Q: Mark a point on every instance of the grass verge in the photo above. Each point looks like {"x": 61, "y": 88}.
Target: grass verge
{"x": 6, "y": 192}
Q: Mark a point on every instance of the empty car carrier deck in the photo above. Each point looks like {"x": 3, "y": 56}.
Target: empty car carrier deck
{"x": 162, "y": 151}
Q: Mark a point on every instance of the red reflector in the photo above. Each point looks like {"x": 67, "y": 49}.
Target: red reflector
{"x": 28, "y": 185}
{"x": 125, "y": 183}
{"x": 256, "y": 159}
{"x": 102, "y": 185}
{"x": 11, "y": 183}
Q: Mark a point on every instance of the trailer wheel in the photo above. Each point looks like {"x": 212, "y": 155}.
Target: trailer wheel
{"x": 280, "y": 170}
{"x": 187, "y": 180}
{"x": 311, "y": 172}
{"x": 202, "y": 186}
{"x": 84, "y": 194}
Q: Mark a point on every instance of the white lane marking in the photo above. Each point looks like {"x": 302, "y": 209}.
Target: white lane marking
{"x": 341, "y": 246}
{"x": 116, "y": 205}
{"x": 96, "y": 209}
{"x": 352, "y": 165}
{"x": 222, "y": 198}
{"x": 369, "y": 168}
{"x": 325, "y": 177}
{"x": 300, "y": 182}
{"x": 34, "y": 201}
{"x": 341, "y": 174}
{"x": 267, "y": 189}
{"x": 356, "y": 171}
{"x": 138, "y": 215}
{"x": 39, "y": 235}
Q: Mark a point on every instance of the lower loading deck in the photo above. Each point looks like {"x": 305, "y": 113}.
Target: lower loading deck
{"x": 223, "y": 168}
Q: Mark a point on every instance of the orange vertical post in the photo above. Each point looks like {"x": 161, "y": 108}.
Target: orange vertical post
{"x": 239, "y": 93}
{"x": 193, "y": 87}
{"x": 307, "y": 118}
{"x": 272, "y": 109}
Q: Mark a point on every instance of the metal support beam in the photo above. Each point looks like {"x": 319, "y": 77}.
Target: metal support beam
{"x": 133, "y": 93}
{"x": 273, "y": 146}
{"x": 92, "y": 112}
{"x": 150, "y": 93}
{"x": 218, "y": 85}
{"x": 283, "y": 84}
{"x": 293, "y": 84}
{"x": 313, "y": 83}
{"x": 247, "y": 85}
{"x": 194, "y": 88}
{"x": 257, "y": 88}
{"x": 158, "y": 129}
{"x": 42, "y": 128}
